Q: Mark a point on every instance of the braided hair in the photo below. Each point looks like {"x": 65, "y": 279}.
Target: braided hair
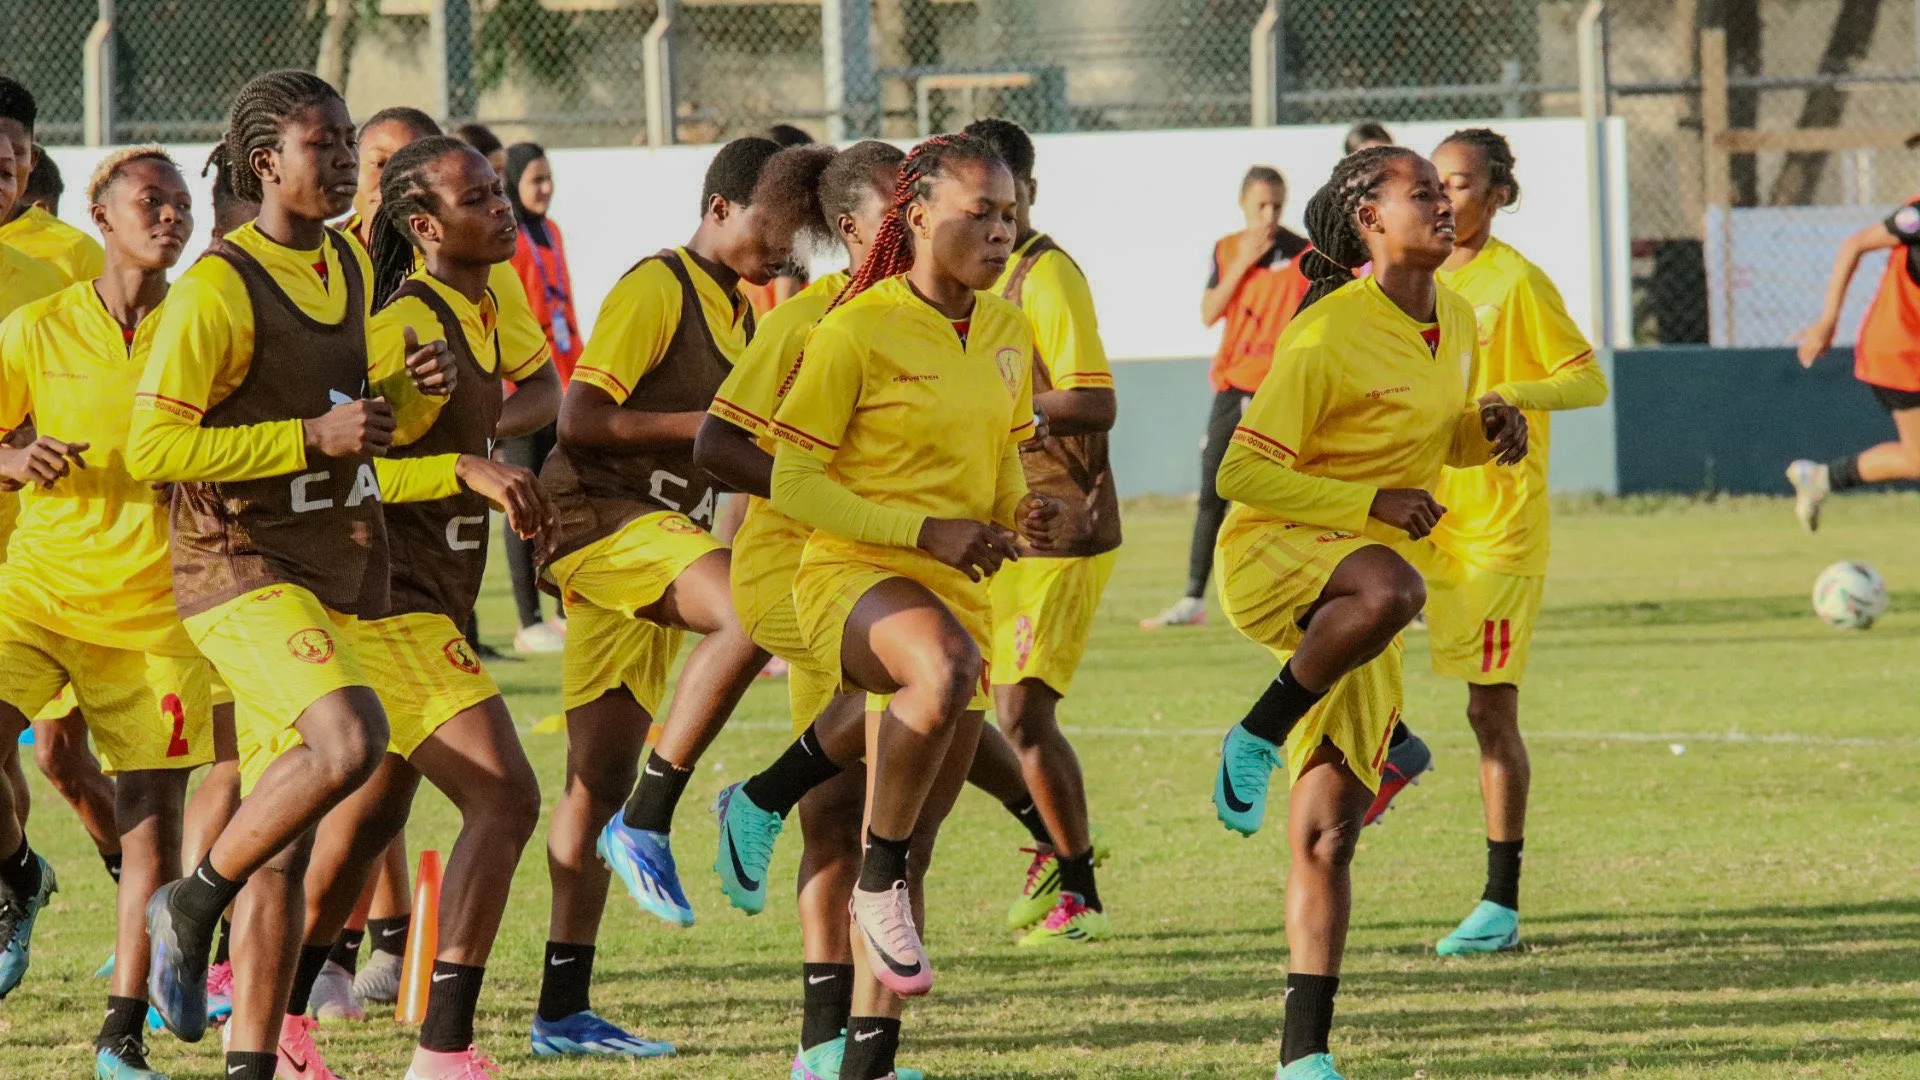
{"x": 1494, "y": 148}
{"x": 892, "y": 250}
{"x": 263, "y": 105}
{"x": 1338, "y": 247}
{"x": 404, "y": 192}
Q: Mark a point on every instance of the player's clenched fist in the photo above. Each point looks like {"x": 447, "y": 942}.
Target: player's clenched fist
{"x": 430, "y": 366}
{"x": 43, "y": 461}
{"x": 974, "y": 548}
{"x": 514, "y": 490}
{"x": 350, "y": 430}
{"x": 1411, "y": 510}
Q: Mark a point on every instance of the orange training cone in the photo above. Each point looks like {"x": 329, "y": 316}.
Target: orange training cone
{"x": 423, "y": 941}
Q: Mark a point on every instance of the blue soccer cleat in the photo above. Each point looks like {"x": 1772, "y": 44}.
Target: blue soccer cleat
{"x": 124, "y": 1059}
{"x": 747, "y": 835}
{"x": 823, "y": 1063}
{"x": 643, "y": 861}
{"x": 1405, "y": 765}
{"x": 177, "y": 977}
{"x": 16, "y": 925}
{"x": 1247, "y": 762}
{"x": 1490, "y": 927}
{"x": 585, "y": 1032}
{"x": 1311, "y": 1067}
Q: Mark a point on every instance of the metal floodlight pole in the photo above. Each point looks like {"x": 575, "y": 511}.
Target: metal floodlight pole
{"x": 1593, "y": 113}
{"x": 1268, "y": 31}
{"x": 99, "y": 78}
{"x": 657, "y": 65}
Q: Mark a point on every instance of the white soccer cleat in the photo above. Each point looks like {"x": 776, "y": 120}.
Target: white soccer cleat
{"x": 1811, "y": 486}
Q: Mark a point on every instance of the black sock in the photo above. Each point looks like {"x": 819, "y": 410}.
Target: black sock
{"x": 564, "y": 980}
{"x": 1400, "y": 734}
{"x": 346, "y": 949}
{"x": 1309, "y": 1016}
{"x": 125, "y": 1017}
{"x": 829, "y": 1003}
{"x": 1503, "y": 873}
{"x": 204, "y": 896}
{"x": 247, "y": 1065}
{"x": 1076, "y": 876}
{"x": 1844, "y": 473}
{"x": 113, "y": 866}
{"x": 1029, "y": 815}
{"x": 1280, "y": 707}
{"x": 20, "y": 871}
{"x": 661, "y": 785}
{"x": 223, "y": 952}
{"x": 452, "y": 997}
{"x": 803, "y": 767}
{"x": 884, "y": 863}
{"x": 305, "y": 971}
{"x": 390, "y": 935}
{"x": 871, "y": 1043}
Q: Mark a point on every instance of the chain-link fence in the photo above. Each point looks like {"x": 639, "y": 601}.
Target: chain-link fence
{"x": 588, "y": 72}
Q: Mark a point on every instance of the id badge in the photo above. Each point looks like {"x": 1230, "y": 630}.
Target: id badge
{"x": 562, "y": 335}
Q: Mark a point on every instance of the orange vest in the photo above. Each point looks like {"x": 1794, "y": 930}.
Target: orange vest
{"x": 549, "y": 292}
{"x": 1261, "y": 307}
{"x": 1886, "y": 352}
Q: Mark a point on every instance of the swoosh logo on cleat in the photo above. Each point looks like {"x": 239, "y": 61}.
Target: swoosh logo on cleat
{"x": 740, "y": 871}
{"x": 905, "y": 971}
{"x": 1232, "y": 798}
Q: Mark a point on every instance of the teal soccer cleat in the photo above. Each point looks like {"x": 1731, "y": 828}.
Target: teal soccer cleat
{"x": 1489, "y": 928}
{"x": 1311, "y": 1067}
{"x": 1240, "y": 786}
{"x": 747, "y": 835}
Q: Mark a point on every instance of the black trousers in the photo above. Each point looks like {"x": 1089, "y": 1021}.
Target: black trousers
{"x": 1228, "y": 406}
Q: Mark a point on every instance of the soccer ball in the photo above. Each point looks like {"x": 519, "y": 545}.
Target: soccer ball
{"x": 1849, "y": 595}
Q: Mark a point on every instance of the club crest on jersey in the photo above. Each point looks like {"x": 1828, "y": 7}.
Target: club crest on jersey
{"x": 684, "y": 527}
{"x": 461, "y": 656}
{"x": 1022, "y": 642}
{"x": 1009, "y": 360}
{"x": 313, "y": 645}
{"x": 1335, "y": 537}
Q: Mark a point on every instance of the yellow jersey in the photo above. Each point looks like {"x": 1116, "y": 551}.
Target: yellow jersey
{"x": 523, "y": 344}
{"x": 91, "y": 561}
{"x": 413, "y": 412}
{"x": 74, "y": 255}
{"x": 906, "y": 415}
{"x": 1357, "y": 401}
{"x": 1056, "y": 299}
{"x": 638, "y": 318}
{"x": 1532, "y": 356}
{"x": 202, "y": 347}
{"x": 22, "y": 281}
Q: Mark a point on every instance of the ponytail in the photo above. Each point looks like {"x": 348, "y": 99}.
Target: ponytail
{"x": 403, "y": 193}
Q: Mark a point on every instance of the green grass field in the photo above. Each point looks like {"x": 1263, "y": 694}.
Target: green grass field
{"x": 1720, "y": 876}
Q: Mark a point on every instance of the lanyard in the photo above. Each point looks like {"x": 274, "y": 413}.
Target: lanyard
{"x": 556, "y": 301}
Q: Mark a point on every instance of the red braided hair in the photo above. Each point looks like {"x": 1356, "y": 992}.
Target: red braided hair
{"x": 892, "y": 251}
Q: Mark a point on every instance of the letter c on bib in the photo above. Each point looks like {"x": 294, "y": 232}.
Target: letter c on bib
{"x": 302, "y": 502}
{"x": 453, "y": 533}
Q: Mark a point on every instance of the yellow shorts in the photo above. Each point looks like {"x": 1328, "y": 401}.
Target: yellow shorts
{"x": 63, "y": 703}
{"x": 1042, "y": 613}
{"x": 766, "y": 556}
{"x": 1479, "y": 622}
{"x": 1270, "y": 577}
{"x": 425, "y": 674}
{"x": 145, "y": 711}
{"x": 603, "y": 587}
{"x": 833, "y": 578}
{"x": 280, "y": 650}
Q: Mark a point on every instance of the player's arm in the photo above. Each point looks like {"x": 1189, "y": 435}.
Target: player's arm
{"x": 192, "y": 345}
{"x": 630, "y": 337}
{"x": 393, "y": 334}
{"x": 1067, "y": 331}
{"x": 1574, "y": 379}
{"x": 418, "y": 479}
{"x": 730, "y": 454}
{"x": 534, "y": 403}
{"x": 1225, "y": 280}
{"x": 727, "y": 446}
{"x": 1899, "y": 229}
{"x": 26, "y": 458}
{"x": 1258, "y": 467}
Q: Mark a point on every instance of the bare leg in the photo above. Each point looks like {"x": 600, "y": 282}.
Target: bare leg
{"x": 149, "y": 807}
{"x": 829, "y": 864}
{"x": 604, "y": 740}
{"x": 1505, "y": 772}
{"x": 1050, "y": 768}
{"x": 1898, "y": 460}
{"x": 349, "y": 843}
{"x": 1323, "y": 825}
{"x": 1372, "y": 596}
{"x": 267, "y": 921}
{"x": 218, "y": 795}
{"x": 718, "y": 670}
{"x": 996, "y": 768}
{"x": 60, "y": 750}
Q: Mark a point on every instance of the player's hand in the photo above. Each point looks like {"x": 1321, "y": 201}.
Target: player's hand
{"x": 974, "y": 548}
{"x": 1255, "y": 242}
{"x": 1043, "y": 521}
{"x": 350, "y": 430}
{"x": 1814, "y": 341}
{"x": 1506, "y": 429}
{"x": 1411, "y": 510}
{"x": 43, "y": 461}
{"x": 512, "y": 489}
{"x": 430, "y": 366}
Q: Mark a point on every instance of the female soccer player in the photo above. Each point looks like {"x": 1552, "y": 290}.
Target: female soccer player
{"x": 1487, "y": 563}
{"x": 106, "y": 625}
{"x": 736, "y": 445}
{"x": 1886, "y": 356}
{"x": 636, "y": 568}
{"x": 900, "y": 447}
{"x": 1332, "y": 466}
{"x": 73, "y": 254}
{"x": 441, "y": 202}
{"x": 1255, "y": 285}
{"x": 251, "y": 404}
{"x": 540, "y": 260}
